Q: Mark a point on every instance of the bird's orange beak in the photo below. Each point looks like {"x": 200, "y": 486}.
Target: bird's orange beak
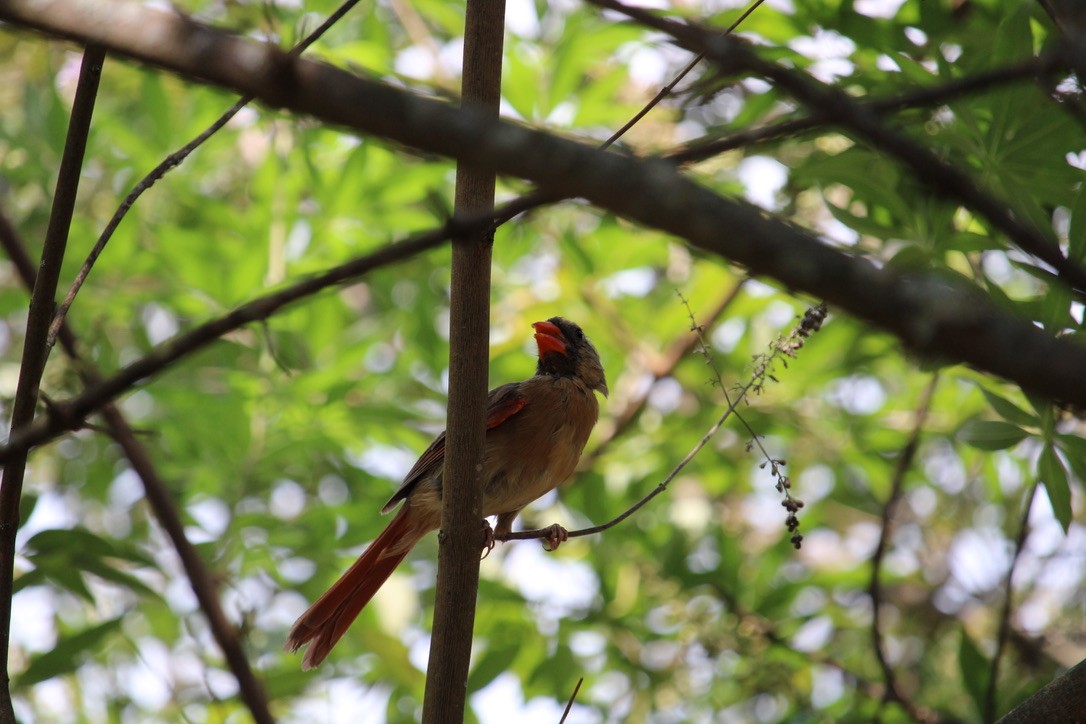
{"x": 549, "y": 338}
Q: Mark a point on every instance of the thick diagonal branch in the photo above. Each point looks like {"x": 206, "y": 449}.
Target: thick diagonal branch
{"x": 934, "y": 317}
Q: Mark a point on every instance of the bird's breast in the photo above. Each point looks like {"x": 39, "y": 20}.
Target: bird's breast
{"x": 536, "y": 450}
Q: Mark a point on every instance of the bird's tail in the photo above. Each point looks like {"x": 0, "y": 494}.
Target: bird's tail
{"x": 325, "y": 622}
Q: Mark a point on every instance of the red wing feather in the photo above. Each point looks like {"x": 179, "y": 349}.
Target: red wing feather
{"x": 502, "y": 408}
{"x": 502, "y": 403}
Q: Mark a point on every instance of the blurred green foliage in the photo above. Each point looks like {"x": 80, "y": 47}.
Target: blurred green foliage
{"x": 282, "y": 441}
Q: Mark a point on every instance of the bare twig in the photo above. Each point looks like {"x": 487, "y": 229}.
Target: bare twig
{"x": 1041, "y": 67}
{"x": 172, "y": 161}
{"x": 572, "y": 698}
{"x": 990, "y": 702}
{"x": 159, "y": 500}
{"x": 35, "y": 349}
{"x": 782, "y": 347}
{"x": 897, "y": 482}
{"x": 666, "y": 365}
{"x": 756, "y": 380}
{"x": 667, "y": 89}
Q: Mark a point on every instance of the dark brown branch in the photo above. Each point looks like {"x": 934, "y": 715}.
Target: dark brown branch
{"x": 933, "y": 316}
{"x": 1041, "y": 67}
{"x": 1004, "y": 631}
{"x": 170, "y": 162}
{"x": 572, "y": 698}
{"x": 1062, "y": 699}
{"x": 457, "y": 585}
{"x": 874, "y": 589}
{"x": 35, "y": 349}
{"x": 834, "y": 105}
{"x": 159, "y": 499}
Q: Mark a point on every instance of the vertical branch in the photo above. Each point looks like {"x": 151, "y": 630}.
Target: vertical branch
{"x": 1008, "y": 604}
{"x": 35, "y": 350}
{"x": 904, "y": 462}
{"x": 459, "y": 538}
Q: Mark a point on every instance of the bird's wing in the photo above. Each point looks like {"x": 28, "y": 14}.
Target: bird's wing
{"x": 502, "y": 403}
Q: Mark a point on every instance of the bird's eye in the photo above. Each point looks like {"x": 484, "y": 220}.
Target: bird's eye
{"x": 579, "y": 333}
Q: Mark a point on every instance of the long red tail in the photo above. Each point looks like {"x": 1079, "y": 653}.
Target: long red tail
{"x": 332, "y": 614}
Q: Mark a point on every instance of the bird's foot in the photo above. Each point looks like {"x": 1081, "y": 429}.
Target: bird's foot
{"x": 488, "y": 539}
{"x": 556, "y": 536}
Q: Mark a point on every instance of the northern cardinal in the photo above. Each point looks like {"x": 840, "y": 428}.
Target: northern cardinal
{"x": 535, "y": 433}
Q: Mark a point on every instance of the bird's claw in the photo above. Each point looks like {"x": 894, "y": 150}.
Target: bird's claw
{"x": 488, "y": 539}
{"x": 556, "y": 536}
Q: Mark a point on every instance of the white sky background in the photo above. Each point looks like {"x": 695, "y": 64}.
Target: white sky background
{"x": 545, "y": 581}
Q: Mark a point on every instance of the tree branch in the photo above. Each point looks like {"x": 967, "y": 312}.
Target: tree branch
{"x": 990, "y": 699}
{"x": 1062, "y": 699}
{"x": 469, "y": 352}
{"x": 35, "y": 350}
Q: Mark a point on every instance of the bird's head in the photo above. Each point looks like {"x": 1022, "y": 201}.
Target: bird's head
{"x": 564, "y": 351}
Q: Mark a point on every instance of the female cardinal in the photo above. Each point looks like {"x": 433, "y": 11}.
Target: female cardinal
{"x": 535, "y": 433}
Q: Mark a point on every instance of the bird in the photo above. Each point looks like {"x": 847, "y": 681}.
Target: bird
{"x": 536, "y": 431}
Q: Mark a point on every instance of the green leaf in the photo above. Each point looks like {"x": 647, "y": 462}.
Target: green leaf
{"x": 1009, "y": 411}
{"x": 1056, "y": 308}
{"x": 26, "y": 506}
{"x": 1046, "y": 413}
{"x": 30, "y": 578}
{"x": 1074, "y": 450}
{"x": 68, "y": 654}
{"x": 1054, "y": 476}
{"x": 974, "y": 668}
{"x": 1076, "y": 235}
{"x": 493, "y": 662}
{"x": 68, "y": 578}
{"x": 62, "y": 540}
{"x": 991, "y": 434}
{"x": 104, "y": 570}
{"x": 66, "y": 541}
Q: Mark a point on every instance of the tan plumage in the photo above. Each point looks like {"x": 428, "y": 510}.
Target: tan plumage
{"x": 536, "y": 432}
